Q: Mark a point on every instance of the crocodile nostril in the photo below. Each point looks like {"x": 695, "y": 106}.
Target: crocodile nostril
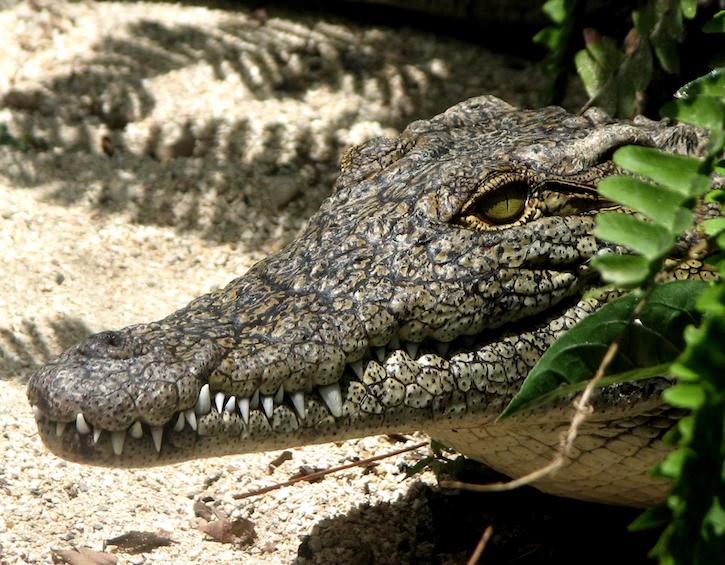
{"x": 105, "y": 344}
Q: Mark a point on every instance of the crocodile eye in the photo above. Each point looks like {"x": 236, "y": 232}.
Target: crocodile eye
{"x": 504, "y": 205}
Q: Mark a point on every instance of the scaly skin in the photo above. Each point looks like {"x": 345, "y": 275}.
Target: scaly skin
{"x": 401, "y": 307}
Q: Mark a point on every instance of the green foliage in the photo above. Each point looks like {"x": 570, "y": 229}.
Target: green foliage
{"x": 439, "y": 463}
{"x": 663, "y": 198}
{"x": 649, "y": 344}
{"x": 616, "y": 76}
{"x": 6, "y": 138}
{"x": 556, "y": 39}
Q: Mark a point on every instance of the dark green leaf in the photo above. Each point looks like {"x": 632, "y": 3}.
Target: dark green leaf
{"x": 676, "y": 172}
{"x": 665, "y": 37}
{"x": 653, "y": 518}
{"x": 656, "y": 202}
{"x": 716, "y": 24}
{"x": 648, "y": 239}
{"x": 626, "y": 271}
{"x": 655, "y": 339}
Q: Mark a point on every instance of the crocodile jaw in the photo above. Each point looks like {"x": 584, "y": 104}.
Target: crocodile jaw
{"x": 395, "y": 253}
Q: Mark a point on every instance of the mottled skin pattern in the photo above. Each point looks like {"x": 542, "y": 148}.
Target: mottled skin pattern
{"x": 403, "y": 295}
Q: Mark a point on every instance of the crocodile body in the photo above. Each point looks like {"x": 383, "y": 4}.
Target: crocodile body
{"x": 417, "y": 298}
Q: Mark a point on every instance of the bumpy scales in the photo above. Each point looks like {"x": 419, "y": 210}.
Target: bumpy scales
{"x": 417, "y": 298}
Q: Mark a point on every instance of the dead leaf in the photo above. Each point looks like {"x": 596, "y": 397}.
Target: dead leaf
{"x": 83, "y": 556}
{"x": 139, "y": 542}
{"x": 239, "y": 531}
{"x": 281, "y": 458}
{"x": 203, "y": 510}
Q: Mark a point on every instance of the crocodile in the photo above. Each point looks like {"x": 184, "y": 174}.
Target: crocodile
{"x": 418, "y": 297}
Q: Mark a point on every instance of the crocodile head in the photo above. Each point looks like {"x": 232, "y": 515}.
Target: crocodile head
{"x": 398, "y": 305}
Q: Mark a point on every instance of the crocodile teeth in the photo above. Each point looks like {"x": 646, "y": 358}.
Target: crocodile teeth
{"x": 279, "y": 395}
{"x": 254, "y": 402}
{"x": 394, "y": 343}
{"x": 268, "y": 405}
{"x": 157, "y": 433}
{"x": 179, "y": 425}
{"x": 380, "y": 354}
{"x": 442, "y": 348}
{"x": 244, "y": 409}
{"x": 117, "y": 441}
{"x": 412, "y": 349}
{"x": 203, "y": 403}
{"x": 219, "y": 401}
{"x": 357, "y": 367}
{"x": 333, "y": 398}
{"x": 231, "y": 403}
{"x": 37, "y": 412}
{"x": 298, "y": 401}
{"x": 136, "y": 430}
{"x": 191, "y": 418}
{"x": 59, "y": 428}
{"x": 96, "y": 434}
{"x": 82, "y": 425}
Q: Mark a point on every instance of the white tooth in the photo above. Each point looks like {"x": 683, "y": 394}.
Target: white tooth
{"x": 394, "y": 342}
{"x": 333, "y": 398}
{"x": 412, "y": 349}
{"x": 380, "y": 353}
{"x": 117, "y": 440}
{"x": 191, "y": 418}
{"x": 442, "y": 348}
{"x": 357, "y": 367}
{"x": 179, "y": 425}
{"x": 231, "y": 403}
{"x": 203, "y": 403}
{"x": 268, "y": 405}
{"x": 81, "y": 424}
{"x": 254, "y": 403}
{"x": 279, "y": 395}
{"x": 157, "y": 432}
{"x": 59, "y": 428}
{"x": 298, "y": 400}
{"x": 219, "y": 401}
{"x": 244, "y": 409}
{"x": 37, "y": 412}
{"x": 96, "y": 434}
{"x": 136, "y": 430}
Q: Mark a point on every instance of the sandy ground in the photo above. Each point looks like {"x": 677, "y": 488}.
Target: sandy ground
{"x": 167, "y": 148}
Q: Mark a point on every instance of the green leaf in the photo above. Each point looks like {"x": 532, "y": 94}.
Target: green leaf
{"x": 658, "y": 203}
{"x": 625, "y": 271}
{"x": 676, "y": 172}
{"x": 653, "y": 518}
{"x": 556, "y": 10}
{"x": 654, "y": 340}
{"x": 647, "y": 239}
{"x": 672, "y": 465}
{"x": 714, "y": 226}
{"x": 596, "y": 81}
{"x": 716, "y": 24}
{"x": 711, "y": 84}
{"x": 704, "y": 111}
{"x": 665, "y": 37}
{"x": 689, "y": 395}
{"x": 689, "y": 8}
